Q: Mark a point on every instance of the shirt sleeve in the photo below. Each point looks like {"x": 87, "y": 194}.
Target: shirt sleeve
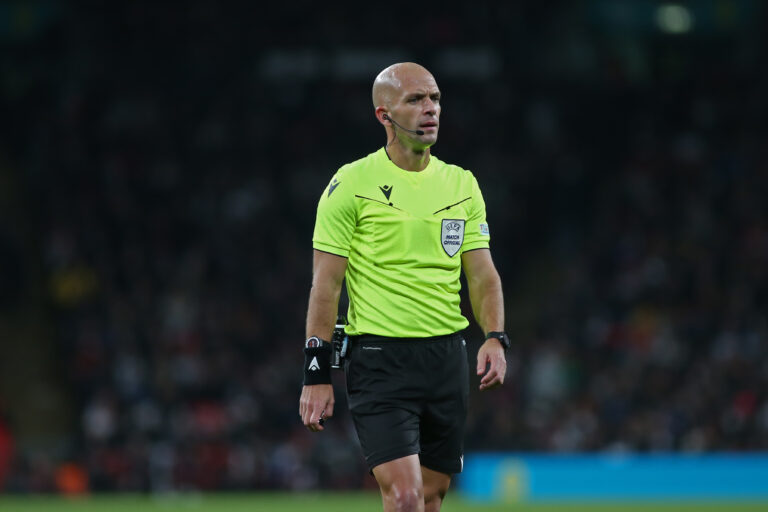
{"x": 476, "y": 232}
{"x": 336, "y": 217}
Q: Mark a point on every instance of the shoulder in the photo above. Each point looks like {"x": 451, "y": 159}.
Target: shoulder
{"x": 347, "y": 179}
{"x": 454, "y": 172}
{"x": 358, "y": 169}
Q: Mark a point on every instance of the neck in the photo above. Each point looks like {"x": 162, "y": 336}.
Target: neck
{"x": 408, "y": 159}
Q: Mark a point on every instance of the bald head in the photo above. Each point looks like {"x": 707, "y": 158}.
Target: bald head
{"x": 390, "y": 82}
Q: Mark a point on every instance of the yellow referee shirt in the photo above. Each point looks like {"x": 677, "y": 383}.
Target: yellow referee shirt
{"x": 403, "y": 233}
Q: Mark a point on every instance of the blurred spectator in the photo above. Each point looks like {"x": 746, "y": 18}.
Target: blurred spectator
{"x": 71, "y": 479}
{"x": 177, "y": 158}
{"x": 7, "y": 448}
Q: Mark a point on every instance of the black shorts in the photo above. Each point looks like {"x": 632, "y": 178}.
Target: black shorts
{"x": 409, "y": 396}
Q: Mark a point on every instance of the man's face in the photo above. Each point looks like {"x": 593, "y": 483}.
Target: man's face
{"x": 417, "y": 107}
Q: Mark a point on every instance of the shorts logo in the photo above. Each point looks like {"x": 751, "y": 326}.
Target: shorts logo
{"x": 452, "y": 235}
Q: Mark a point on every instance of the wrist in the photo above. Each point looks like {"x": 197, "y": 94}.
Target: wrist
{"x": 317, "y": 361}
{"x": 316, "y": 342}
{"x": 501, "y": 337}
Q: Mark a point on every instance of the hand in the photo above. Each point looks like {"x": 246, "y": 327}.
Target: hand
{"x": 491, "y": 352}
{"x": 316, "y": 402}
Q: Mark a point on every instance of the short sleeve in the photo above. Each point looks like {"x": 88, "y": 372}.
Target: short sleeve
{"x": 336, "y": 217}
{"x": 476, "y": 232}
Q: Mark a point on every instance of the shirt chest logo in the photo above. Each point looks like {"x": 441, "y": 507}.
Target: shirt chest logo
{"x": 452, "y": 235}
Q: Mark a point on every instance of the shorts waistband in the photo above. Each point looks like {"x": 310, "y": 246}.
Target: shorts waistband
{"x": 373, "y": 338}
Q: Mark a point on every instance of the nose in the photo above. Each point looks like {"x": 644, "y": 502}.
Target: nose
{"x": 430, "y": 107}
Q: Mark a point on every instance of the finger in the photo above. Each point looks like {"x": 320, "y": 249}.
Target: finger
{"x": 307, "y": 416}
{"x": 489, "y": 380}
{"x": 493, "y": 384}
{"x": 492, "y": 374}
{"x": 495, "y": 375}
{"x": 328, "y": 410}
{"x": 498, "y": 366}
{"x": 501, "y": 370}
{"x": 315, "y": 421}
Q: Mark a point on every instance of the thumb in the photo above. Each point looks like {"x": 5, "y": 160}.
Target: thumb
{"x": 482, "y": 359}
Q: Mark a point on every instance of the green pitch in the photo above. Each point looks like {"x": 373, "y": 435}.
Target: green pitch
{"x": 299, "y": 502}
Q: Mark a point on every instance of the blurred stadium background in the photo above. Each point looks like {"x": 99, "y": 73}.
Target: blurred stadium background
{"x": 160, "y": 165}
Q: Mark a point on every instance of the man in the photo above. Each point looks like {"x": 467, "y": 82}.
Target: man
{"x": 400, "y": 225}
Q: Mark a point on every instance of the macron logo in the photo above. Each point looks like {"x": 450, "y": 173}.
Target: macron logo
{"x": 314, "y": 366}
{"x": 335, "y": 183}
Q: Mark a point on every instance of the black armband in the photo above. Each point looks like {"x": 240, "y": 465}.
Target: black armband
{"x": 317, "y": 362}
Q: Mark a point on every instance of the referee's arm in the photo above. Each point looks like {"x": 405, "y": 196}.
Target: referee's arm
{"x": 327, "y": 276}
{"x": 487, "y": 300}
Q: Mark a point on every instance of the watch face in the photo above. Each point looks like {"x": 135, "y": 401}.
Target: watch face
{"x": 313, "y": 342}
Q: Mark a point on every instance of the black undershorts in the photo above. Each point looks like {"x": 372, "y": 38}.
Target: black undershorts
{"x": 409, "y": 396}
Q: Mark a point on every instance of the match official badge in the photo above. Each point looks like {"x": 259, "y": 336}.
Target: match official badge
{"x": 452, "y": 235}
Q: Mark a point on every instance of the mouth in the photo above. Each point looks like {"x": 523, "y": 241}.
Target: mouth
{"x": 430, "y": 125}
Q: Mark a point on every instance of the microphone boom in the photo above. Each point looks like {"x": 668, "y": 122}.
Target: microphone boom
{"x": 417, "y": 132}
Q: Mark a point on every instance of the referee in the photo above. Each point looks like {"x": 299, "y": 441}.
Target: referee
{"x": 400, "y": 225}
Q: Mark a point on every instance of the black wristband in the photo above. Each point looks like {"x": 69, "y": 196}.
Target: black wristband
{"x": 317, "y": 365}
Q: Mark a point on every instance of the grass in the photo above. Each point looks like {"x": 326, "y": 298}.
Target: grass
{"x": 320, "y": 502}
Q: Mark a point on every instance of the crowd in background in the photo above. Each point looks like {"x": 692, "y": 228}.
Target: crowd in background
{"x": 176, "y": 190}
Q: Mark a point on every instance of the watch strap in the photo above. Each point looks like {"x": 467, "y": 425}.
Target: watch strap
{"x": 501, "y": 336}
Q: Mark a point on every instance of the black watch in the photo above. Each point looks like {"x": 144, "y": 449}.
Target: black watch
{"x": 502, "y": 337}
{"x": 315, "y": 342}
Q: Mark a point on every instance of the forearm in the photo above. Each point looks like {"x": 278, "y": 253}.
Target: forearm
{"x": 316, "y": 401}
{"x": 488, "y": 302}
{"x": 323, "y": 308}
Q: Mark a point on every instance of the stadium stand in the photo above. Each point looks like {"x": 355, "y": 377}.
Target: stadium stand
{"x": 175, "y": 162}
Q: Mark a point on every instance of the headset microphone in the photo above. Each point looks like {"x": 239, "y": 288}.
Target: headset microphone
{"x": 417, "y": 132}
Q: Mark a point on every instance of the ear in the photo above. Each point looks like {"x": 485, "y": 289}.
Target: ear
{"x": 383, "y": 116}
